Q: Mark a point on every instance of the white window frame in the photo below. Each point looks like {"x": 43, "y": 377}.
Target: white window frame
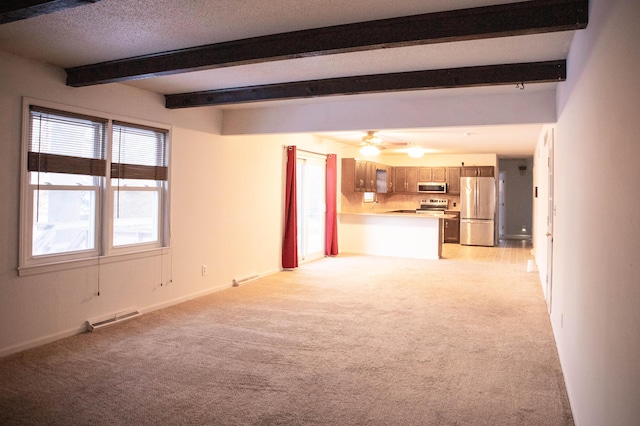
{"x": 113, "y": 190}
{"x": 104, "y": 251}
{"x": 79, "y": 254}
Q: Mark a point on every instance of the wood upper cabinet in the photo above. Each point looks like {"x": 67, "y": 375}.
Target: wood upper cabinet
{"x": 390, "y": 179}
{"x": 361, "y": 176}
{"x": 399, "y": 179}
{"x": 453, "y": 180}
{"x": 412, "y": 179}
{"x": 358, "y": 175}
{"x": 432, "y": 174}
{"x": 384, "y": 178}
{"x": 479, "y": 171}
{"x": 424, "y": 174}
{"x": 405, "y": 179}
{"x": 354, "y": 175}
{"x": 486, "y": 171}
{"x": 369, "y": 176}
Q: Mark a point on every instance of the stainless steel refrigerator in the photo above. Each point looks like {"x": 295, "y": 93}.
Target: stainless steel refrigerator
{"x": 477, "y": 211}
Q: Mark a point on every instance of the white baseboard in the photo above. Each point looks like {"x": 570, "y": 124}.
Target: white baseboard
{"x": 83, "y": 328}
{"x": 41, "y": 341}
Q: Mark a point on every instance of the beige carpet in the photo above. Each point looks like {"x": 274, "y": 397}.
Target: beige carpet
{"x": 351, "y": 340}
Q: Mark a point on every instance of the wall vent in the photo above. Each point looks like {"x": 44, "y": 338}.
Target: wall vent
{"x": 112, "y": 319}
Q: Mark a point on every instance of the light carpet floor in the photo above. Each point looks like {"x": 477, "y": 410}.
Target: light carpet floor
{"x": 350, "y": 340}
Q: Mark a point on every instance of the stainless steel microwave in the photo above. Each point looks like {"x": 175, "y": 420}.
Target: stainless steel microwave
{"x": 432, "y": 187}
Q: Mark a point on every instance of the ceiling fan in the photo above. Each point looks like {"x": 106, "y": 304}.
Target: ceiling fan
{"x": 372, "y": 143}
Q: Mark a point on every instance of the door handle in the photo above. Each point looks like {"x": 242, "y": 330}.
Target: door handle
{"x": 547, "y": 234}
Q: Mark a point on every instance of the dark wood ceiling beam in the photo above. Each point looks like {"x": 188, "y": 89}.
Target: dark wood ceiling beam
{"x": 15, "y": 10}
{"x": 522, "y": 73}
{"x": 524, "y": 18}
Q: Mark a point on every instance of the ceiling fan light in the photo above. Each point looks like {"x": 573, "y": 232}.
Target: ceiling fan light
{"x": 369, "y": 150}
{"x": 415, "y": 152}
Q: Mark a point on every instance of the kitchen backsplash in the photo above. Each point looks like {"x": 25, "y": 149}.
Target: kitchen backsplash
{"x": 353, "y": 203}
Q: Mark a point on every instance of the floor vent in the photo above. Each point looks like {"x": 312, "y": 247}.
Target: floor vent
{"x": 112, "y": 319}
{"x": 239, "y": 281}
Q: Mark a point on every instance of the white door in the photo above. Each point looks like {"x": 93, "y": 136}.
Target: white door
{"x": 550, "y": 215}
{"x": 311, "y": 176}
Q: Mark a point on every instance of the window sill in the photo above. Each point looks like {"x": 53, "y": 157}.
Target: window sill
{"x": 90, "y": 262}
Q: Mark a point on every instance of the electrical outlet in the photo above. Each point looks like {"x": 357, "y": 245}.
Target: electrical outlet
{"x": 204, "y": 270}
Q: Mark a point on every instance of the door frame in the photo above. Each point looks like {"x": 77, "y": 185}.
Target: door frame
{"x": 502, "y": 212}
{"x": 302, "y": 197}
{"x": 550, "y": 216}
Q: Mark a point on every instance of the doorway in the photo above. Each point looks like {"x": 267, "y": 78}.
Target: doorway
{"x": 501, "y": 208}
{"x": 310, "y": 181}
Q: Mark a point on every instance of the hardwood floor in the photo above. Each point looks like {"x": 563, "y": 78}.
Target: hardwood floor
{"x": 506, "y": 251}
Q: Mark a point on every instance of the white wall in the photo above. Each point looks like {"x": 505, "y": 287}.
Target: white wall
{"x": 596, "y": 293}
{"x": 226, "y": 211}
{"x": 467, "y": 107}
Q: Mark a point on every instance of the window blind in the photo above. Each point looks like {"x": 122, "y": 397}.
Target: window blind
{"x": 138, "y": 152}
{"x": 66, "y": 143}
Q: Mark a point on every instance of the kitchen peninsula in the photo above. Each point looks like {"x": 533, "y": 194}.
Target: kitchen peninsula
{"x": 412, "y": 235}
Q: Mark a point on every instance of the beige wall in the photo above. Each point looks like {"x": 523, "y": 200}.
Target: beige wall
{"x": 226, "y": 211}
{"x": 596, "y": 287}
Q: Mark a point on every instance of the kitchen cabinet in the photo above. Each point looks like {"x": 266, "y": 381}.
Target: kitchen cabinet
{"x": 431, "y": 174}
{"x": 384, "y": 178}
{"x": 451, "y": 233}
{"x": 362, "y": 176}
{"x": 406, "y": 179}
{"x": 478, "y": 171}
{"x": 358, "y": 175}
{"x": 453, "y": 180}
{"x": 390, "y": 180}
{"x": 369, "y": 176}
{"x": 354, "y": 175}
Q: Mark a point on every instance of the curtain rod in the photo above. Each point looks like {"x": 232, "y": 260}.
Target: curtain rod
{"x": 308, "y": 152}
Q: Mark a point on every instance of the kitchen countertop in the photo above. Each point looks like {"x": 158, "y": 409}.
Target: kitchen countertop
{"x": 408, "y": 213}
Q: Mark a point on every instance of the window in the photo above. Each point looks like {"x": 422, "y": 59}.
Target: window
{"x": 138, "y": 176}
{"x": 92, "y": 187}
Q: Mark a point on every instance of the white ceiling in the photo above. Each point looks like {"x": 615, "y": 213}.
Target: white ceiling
{"x": 116, "y": 29}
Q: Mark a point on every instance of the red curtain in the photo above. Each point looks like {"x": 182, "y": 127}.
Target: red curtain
{"x": 290, "y": 241}
{"x": 331, "y": 242}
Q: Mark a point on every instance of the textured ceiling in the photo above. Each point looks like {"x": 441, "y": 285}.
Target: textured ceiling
{"x": 116, "y": 29}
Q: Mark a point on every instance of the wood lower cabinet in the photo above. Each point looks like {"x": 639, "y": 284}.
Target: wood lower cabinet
{"x": 451, "y": 232}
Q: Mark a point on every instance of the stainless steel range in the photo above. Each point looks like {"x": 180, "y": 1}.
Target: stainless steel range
{"x": 433, "y": 205}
